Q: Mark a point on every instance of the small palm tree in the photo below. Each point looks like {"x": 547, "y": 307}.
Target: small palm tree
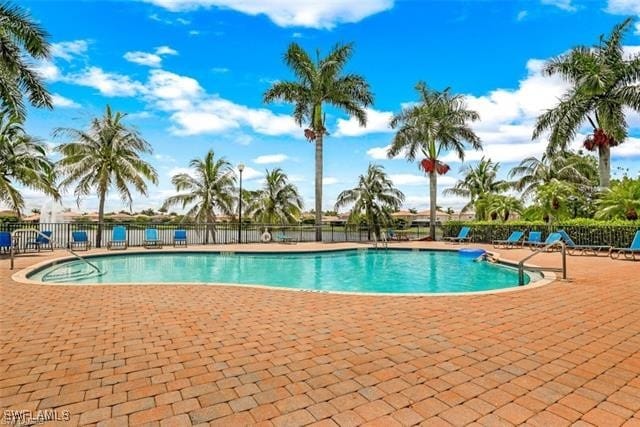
{"x": 106, "y": 156}
{"x": 503, "y": 206}
{"x": 212, "y": 188}
{"x": 561, "y": 166}
{"x": 278, "y": 202}
{"x": 478, "y": 181}
{"x": 373, "y": 199}
{"x": 603, "y": 83}
{"x": 438, "y": 123}
{"x": 318, "y": 83}
{"x": 22, "y": 160}
{"x": 20, "y": 37}
{"x": 622, "y": 200}
{"x": 551, "y": 199}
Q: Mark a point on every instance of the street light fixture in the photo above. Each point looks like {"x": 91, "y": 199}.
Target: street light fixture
{"x": 240, "y": 169}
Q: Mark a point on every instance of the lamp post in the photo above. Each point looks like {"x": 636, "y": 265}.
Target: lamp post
{"x": 240, "y": 169}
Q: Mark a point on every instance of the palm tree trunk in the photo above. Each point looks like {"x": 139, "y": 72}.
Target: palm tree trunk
{"x": 604, "y": 165}
{"x": 319, "y": 187}
{"x": 102, "y": 197}
{"x": 433, "y": 187}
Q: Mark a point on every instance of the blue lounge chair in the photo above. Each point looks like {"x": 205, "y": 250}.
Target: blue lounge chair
{"x": 151, "y": 239}
{"x": 80, "y": 240}
{"x": 5, "y": 241}
{"x": 283, "y": 238}
{"x": 180, "y": 238}
{"x": 462, "y": 236}
{"x": 118, "y": 238}
{"x": 535, "y": 237}
{"x": 630, "y": 252}
{"x": 42, "y": 239}
{"x": 575, "y": 249}
{"x": 515, "y": 239}
{"x": 551, "y": 238}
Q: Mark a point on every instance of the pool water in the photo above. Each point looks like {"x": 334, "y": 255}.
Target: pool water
{"x": 375, "y": 271}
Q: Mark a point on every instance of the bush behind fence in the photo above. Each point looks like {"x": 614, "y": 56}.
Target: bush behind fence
{"x": 583, "y": 232}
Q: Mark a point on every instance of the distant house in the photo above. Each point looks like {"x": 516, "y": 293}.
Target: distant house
{"x": 424, "y": 217}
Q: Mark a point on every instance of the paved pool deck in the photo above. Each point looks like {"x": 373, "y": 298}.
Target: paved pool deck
{"x": 566, "y": 353}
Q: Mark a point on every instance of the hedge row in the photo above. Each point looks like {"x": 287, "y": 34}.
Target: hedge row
{"x": 582, "y": 231}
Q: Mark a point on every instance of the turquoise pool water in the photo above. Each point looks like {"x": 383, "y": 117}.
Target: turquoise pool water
{"x": 391, "y": 271}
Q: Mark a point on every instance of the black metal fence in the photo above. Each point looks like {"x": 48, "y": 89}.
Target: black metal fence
{"x": 219, "y": 233}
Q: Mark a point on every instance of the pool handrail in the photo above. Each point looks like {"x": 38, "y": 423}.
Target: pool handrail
{"x": 563, "y": 269}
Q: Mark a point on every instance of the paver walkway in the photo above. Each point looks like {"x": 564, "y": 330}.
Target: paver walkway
{"x": 559, "y": 354}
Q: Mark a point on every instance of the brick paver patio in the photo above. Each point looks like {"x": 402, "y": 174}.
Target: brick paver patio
{"x": 560, "y": 354}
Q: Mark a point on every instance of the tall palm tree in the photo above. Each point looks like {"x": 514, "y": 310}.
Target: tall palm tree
{"x": 20, "y": 37}
{"x": 375, "y": 197}
{"x": 104, "y": 157}
{"x": 23, "y": 160}
{"x": 560, "y": 166}
{"x": 439, "y": 122}
{"x": 212, "y": 188}
{"x": 603, "y": 83}
{"x": 622, "y": 200}
{"x": 318, "y": 83}
{"x": 478, "y": 180}
{"x": 278, "y": 202}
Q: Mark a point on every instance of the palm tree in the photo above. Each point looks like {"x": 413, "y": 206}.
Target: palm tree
{"x": 622, "y": 200}
{"x": 439, "y": 122}
{"x": 560, "y": 166}
{"x": 318, "y": 83}
{"x": 22, "y": 160}
{"x": 551, "y": 199}
{"x": 106, "y": 156}
{"x": 603, "y": 83}
{"x": 503, "y": 206}
{"x": 278, "y": 202}
{"x": 20, "y": 37}
{"x": 374, "y": 198}
{"x": 211, "y": 188}
{"x": 477, "y": 181}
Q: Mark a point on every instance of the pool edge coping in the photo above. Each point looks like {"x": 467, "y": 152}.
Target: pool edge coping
{"x": 21, "y": 276}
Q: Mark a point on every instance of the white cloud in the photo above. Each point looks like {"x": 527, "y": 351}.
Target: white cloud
{"x": 285, "y": 13}
{"x": 220, "y": 70}
{"x": 410, "y": 180}
{"x": 561, "y": 4}
{"x": 296, "y": 35}
{"x": 330, "y": 180}
{"x": 61, "y": 101}
{"x": 177, "y": 171}
{"x": 165, "y": 50}
{"x": 377, "y": 122}
{"x": 164, "y": 158}
{"x": 48, "y": 71}
{"x": 68, "y": 50}
{"x": 270, "y": 159}
{"x": 194, "y": 33}
{"x": 143, "y": 58}
{"x": 378, "y": 153}
{"x": 150, "y": 59}
{"x": 249, "y": 173}
{"x": 109, "y": 84}
{"x": 623, "y": 7}
{"x": 630, "y": 148}
{"x": 521, "y": 15}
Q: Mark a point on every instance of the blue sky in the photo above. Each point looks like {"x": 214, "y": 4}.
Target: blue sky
{"x": 191, "y": 74}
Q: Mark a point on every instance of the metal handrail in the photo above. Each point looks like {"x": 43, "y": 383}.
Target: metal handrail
{"x": 563, "y": 269}
{"x": 383, "y": 240}
{"x": 38, "y": 232}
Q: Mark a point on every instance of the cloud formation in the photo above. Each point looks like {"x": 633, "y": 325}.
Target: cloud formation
{"x": 324, "y": 14}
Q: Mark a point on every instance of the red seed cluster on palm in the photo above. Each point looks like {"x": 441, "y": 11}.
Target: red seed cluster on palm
{"x": 599, "y": 139}
{"x": 429, "y": 165}
{"x": 310, "y": 134}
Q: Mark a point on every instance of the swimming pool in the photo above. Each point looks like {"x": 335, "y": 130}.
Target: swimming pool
{"x": 366, "y": 271}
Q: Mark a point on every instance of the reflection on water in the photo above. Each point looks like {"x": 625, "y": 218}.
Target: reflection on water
{"x": 353, "y": 271}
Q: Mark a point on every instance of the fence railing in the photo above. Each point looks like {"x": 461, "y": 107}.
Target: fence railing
{"x": 218, "y": 233}
{"x": 605, "y": 235}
